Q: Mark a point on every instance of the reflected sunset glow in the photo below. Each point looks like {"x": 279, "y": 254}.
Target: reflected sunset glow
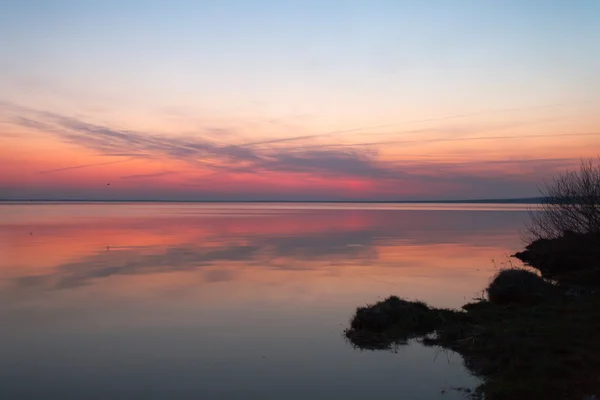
{"x": 331, "y": 251}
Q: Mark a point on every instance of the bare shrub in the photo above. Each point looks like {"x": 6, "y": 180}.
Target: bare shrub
{"x": 571, "y": 203}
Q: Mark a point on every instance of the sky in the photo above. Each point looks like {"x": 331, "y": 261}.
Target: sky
{"x": 295, "y": 100}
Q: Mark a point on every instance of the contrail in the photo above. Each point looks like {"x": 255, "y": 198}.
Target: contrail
{"x": 418, "y": 141}
{"x": 503, "y": 110}
{"x": 545, "y": 135}
{"x": 82, "y": 166}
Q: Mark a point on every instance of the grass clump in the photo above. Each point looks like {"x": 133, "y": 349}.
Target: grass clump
{"x": 519, "y": 286}
{"x": 394, "y": 320}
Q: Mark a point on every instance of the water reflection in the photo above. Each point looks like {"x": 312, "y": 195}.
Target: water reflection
{"x": 217, "y": 290}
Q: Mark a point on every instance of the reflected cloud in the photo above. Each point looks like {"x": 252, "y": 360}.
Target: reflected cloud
{"x": 219, "y": 244}
{"x": 135, "y": 262}
{"x": 262, "y": 251}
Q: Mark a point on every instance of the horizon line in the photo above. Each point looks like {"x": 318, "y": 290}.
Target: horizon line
{"x": 499, "y": 200}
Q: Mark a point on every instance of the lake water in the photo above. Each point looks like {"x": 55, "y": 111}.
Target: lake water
{"x": 232, "y": 301}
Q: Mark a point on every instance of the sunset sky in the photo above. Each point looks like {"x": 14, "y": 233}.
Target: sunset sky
{"x": 295, "y": 100}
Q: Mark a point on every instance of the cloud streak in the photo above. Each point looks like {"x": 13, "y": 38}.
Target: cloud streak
{"x": 229, "y": 165}
{"x": 146, "y": 176}
{"x": 110, "y": 142}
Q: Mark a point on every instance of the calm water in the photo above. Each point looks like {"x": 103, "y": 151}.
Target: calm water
{"x": 232, "y": 301}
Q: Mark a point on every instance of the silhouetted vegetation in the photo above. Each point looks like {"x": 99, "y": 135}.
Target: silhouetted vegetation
{"x": 546, "y": 350}
{"x": 573, "y": 258}
{"x": 533, "y": 337}
{"x": 570, "y": 203}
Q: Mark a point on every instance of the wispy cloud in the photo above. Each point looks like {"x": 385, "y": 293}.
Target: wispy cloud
{"x": 358, "y": 161}
{"x": 111, "y": 142}
{"x": 145, "y": 176}
{"x": 133, "y": 155}
{"x": 333, "y": 162}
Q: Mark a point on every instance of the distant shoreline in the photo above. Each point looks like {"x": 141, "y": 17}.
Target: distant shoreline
{"x": 535, "y": 200}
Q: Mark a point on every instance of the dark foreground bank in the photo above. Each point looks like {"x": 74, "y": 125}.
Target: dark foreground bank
{"x": 532, "y": 337}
